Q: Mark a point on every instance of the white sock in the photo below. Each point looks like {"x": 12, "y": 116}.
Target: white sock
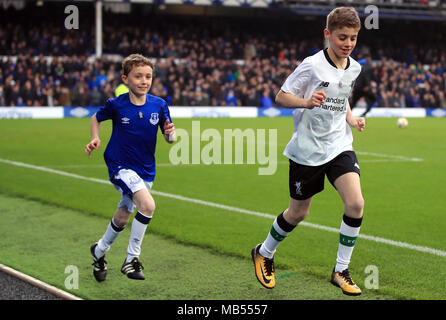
{"x": 348, "y": 236}
{"x": 107, "y": 239}
{"x": 276, "y": 235}
{"x": 139, "y": 226}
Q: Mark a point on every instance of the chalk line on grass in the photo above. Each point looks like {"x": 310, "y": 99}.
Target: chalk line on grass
{"x": 400, "y": 244}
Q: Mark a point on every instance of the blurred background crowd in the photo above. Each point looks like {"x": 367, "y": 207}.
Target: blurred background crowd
{"x": 206, "y": 61}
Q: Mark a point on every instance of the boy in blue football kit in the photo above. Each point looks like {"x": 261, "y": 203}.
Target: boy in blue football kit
{"x": 321, "y": 146}
{"x": 130, "y": 158}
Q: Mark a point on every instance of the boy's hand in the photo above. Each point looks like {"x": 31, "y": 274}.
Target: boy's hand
{"x": 316, "y": 99}
{"x": 169, "y": 132}
{"x": 168, "y": 127}
{"x": 92, "y": 145}
{"x": 358, "y": 123}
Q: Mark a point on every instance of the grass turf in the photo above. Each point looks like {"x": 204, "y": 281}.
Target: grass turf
{"x": 51, "y": 238}
{"x": 403, "y": 203}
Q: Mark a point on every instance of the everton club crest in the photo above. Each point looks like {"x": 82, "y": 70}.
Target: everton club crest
{"x": 154, "y": 118}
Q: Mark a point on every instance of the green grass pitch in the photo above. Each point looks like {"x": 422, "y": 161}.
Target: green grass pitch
{"x": 198, "y": 250}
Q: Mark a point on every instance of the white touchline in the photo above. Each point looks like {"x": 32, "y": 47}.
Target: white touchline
{"x": 77, "y": 166}
{"x": 389, "y": 156}
{"x": 167, "y": 164}
{"x": 234, "y": 209}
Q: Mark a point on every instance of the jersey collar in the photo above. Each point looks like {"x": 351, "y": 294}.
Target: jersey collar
{"x": 331, "y": 61}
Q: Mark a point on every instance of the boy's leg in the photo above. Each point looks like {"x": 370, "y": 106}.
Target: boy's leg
{"x": 123, "y": 182}
{"x": 349, "y": 188}
{"x": 114, "y": 229}
{"x": 146, "y": 206}
{"x": 284, "y": 224}
{"x": 304, "y": 183}
{"x": 263, "y": 254}
{"x": 137, "y": 190}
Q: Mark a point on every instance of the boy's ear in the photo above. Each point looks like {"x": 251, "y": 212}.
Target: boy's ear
{"x": 326, "y": 33}
{"x": 124, "y": 79}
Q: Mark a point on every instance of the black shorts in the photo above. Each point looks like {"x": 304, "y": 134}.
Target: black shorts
{"x": 306, "y": 181}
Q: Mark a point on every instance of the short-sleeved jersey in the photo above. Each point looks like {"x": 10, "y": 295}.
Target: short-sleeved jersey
{"x": 322, "y": 133}
{"x": 133, "y": 140}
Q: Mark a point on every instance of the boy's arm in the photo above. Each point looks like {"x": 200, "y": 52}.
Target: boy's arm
{"x": 288, "y": 100}
{"x": 289, "y": 95}
{"x": 358, "y": 123}
{"x": 95, "y": 142}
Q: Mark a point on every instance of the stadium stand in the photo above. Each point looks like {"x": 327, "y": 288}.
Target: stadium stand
{"x": 205, "y": 60}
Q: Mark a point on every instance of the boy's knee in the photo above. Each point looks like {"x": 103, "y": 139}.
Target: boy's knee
{"x": 121, "y": 217}
{"x": 120, "y": 222}
{"x": 147, "y": 208}
{"x": 355, "y": 207}
{"x": 296, "y": 215}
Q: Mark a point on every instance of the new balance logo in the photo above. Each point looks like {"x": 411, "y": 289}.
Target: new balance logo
{"x": 324, "y": 84}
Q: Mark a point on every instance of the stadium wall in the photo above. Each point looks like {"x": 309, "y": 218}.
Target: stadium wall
{"x": 206, "y": 112}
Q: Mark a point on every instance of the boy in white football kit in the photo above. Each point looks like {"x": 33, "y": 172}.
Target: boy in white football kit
{"x": 130, "y": 158}
{"x": 321, "y": 145}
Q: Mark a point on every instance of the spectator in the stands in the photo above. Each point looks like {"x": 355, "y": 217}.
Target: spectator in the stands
{"x": 266, "y": 100}
{"x": 2, "y": 96}
{"x": 230, "y": 99}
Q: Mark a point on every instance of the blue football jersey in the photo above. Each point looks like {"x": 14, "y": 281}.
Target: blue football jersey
{"x": 133, "y": 140}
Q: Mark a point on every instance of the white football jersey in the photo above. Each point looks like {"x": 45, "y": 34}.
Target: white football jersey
{"x": 322, "y": 133}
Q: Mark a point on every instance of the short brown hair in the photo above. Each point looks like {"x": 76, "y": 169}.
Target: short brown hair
{"x": 343, "y": 17}
{"x": 135, "y": 60}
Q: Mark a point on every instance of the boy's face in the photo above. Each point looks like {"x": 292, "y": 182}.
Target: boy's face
{"x": 139, "y": 80}
{"x": 342, "y": 41}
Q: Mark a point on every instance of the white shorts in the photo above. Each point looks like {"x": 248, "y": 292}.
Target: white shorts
{"x": 127, "y": 182}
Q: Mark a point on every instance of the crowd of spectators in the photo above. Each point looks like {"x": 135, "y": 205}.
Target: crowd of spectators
{"x": 203, "y": 63}
{"x": 397, "y": 84}
{"x": 66, "y": 81}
